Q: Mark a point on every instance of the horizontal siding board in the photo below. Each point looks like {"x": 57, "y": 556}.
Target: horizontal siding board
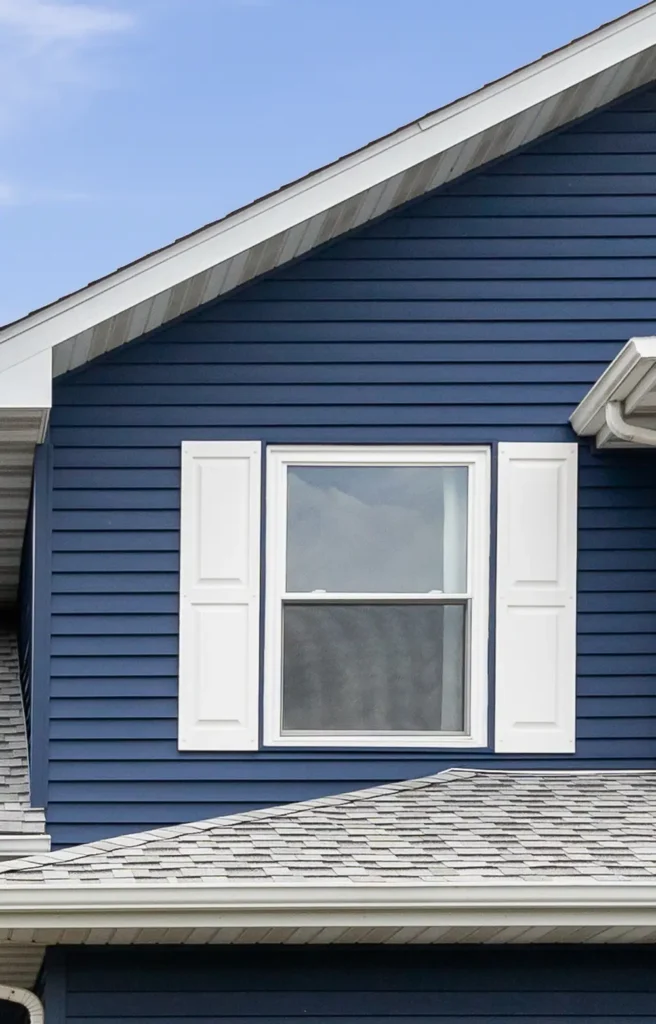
{"x": 425, "y": 290}
{"x": 331, "y": 1004}
{"x": 331, "y": 269}
{"x": 158, "y": 377}
{"x": 151, "y": 540}
{"x": 455, "y": 432}
{"x": 114, "y": 625}
{"x": 478, "y": 315}
{"x": 197, "y": 421}
{"x": 171, "y": 396}
{"x": 545, "y": 246}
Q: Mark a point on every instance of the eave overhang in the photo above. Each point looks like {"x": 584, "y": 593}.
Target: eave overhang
{"x": 25, "y": 402}
{"x": 32, "y": 918}
{"x": 619, "y": 410}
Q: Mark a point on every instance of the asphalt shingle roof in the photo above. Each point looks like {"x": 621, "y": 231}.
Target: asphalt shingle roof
{"x": 16, "y": 815}
{"x": 459, "y": 825}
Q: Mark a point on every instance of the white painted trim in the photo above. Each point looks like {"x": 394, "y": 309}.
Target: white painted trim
{"x": 23, "y": 845}
{"x": 618, "y": 381}
{"x": 327, "y": 188}
{"x": 234, "y": 911}
{"x": 254, "y": 904}
{"x": 629, "y": 432}
{"x": 28, "y": 384}
{"x": 477, "y": 460}
{"x": 24, "y": 998}
{"x": 620, "y": 391}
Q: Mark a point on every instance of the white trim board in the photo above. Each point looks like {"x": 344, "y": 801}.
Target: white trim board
{"x": 560, "y": 87}
{"x": 476, "y": 459}
{"x": 289, "y": 905}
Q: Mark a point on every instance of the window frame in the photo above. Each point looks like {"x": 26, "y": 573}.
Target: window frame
{"x": 476, "y": 458}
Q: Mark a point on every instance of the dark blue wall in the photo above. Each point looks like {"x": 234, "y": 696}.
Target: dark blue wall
{"x": 25, "y": 616}
{"x": 481, "y": 314}
{"x": 357, "y": 985}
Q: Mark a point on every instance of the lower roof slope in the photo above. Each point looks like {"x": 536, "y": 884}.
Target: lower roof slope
{"x": 457, "y": 826}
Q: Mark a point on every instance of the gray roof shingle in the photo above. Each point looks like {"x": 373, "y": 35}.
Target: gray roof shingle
{"x": 457, "y": 826}
{"x": 16, "y": 815}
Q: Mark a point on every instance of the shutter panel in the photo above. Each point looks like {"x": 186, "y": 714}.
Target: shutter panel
{"x": 536, "y": 598}
{"x": 219, "y": 595}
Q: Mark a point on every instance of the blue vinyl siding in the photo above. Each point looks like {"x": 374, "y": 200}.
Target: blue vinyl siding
{"x": 25, "y": 617}
{"x": 575, "y": 985}
{"x": 480, "y": 314}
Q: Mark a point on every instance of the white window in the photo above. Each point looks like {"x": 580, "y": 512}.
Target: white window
{"x": 377, "y": 596}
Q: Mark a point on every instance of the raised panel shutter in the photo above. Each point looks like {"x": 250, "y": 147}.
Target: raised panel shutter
{"x": 535, "y": 689}
{"x": 219, "y": 595}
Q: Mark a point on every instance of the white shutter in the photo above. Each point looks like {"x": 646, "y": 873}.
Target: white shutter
{"x": 536, "y": 598}
{"x": 219, "y": 595}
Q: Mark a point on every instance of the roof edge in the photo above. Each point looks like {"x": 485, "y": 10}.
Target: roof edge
{"x": 481, "y": 903}
{"x": 323, "y": 190}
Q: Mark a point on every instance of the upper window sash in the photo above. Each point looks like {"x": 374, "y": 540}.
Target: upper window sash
{"x": 476, "y": 459}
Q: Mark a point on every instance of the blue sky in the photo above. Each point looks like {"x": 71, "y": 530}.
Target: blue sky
{"x": 126, "y": 123}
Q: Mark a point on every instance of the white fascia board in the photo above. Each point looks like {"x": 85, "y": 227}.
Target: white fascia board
{"x": 28, "y": 384}
{"x": 425, "y": 138}
{"x": 616, "y": 384}
{"x": 575, "y": 903}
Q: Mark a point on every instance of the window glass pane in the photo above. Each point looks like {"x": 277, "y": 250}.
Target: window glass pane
{"x": 377, "y": 529}
{"x": 373, "y": 667}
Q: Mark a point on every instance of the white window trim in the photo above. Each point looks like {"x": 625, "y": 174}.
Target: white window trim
{"x": 477, "y": 460}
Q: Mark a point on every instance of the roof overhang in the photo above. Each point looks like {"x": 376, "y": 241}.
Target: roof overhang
{"x": 32, "y": 918}
{"x": 559, "y": 88}
{"x": 619, "y": 410}
{"x": 25, "y": 402}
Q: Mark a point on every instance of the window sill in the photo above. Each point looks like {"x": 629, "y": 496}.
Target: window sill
{"x": 383, "y": 741}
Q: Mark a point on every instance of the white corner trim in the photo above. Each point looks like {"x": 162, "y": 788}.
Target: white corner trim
{"x": 24, "y": 998}
{"x": 477, "y": 459}
{"x": 326, "y": 188}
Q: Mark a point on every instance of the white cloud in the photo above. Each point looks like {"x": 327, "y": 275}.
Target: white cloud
{"x": 7, "y": 194}
{"x": 50, "y": 22}
{"x": 45, "y": 46}
{"x": 30, "y": 195}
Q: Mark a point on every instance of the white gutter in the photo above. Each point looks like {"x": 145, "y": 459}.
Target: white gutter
{"x": 26, "y": 999}
{"x": 573, "y": 903}
{"x": 624, "y": 431}
{"x": 620, "y": 390}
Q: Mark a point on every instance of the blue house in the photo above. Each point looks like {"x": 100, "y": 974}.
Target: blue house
{"x": 328, "y": 576}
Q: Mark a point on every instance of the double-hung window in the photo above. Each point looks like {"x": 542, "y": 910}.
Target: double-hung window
{"x": 376, "y": 604}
